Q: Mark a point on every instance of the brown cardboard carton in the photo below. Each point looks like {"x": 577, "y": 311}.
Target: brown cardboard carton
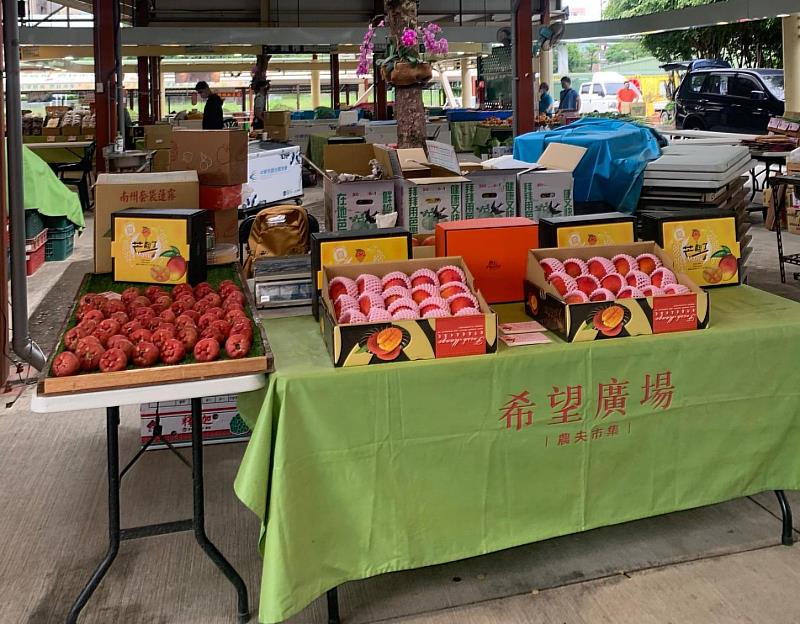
{"x": 277, "y": 133}
{"x": 421, "y": 339}
{"x": 277, "y": 118}
{"x": 353, "y": 205}
{"x": 598, "y": 320}
{"x": 226, "y": 226}
{"x": 51, "y": 132}
{"x": 218, "y": 156}
{"x": 113, "y": 192}
{"x": 71, "y": 131}
{"x": 158, "y": 137}
{"x": 161, "y": 160}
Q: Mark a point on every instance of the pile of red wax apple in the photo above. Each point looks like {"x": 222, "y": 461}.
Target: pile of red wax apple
{"x": 397, "y": 296}
{"x": 601, "y": 279}
{"x": 144, "y": 327}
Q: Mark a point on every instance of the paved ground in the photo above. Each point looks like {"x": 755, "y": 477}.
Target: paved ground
{"x": 718, "y": 564}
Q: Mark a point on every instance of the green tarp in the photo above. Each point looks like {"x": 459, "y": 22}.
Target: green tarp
{"x": 46, "y": 193}
{"x": 398, "y": 466}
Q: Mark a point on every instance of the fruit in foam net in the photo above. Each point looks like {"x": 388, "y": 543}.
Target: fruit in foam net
{"x": 467, "y": 312}
{"x": 563, "y": 283}
{"x": 652, "y": 291}
{"x": 577, "y": 296}
{"x": 352, "y": 316}
{"x": 368, "y": 301}
{"x": 405, "y": 303}
{"x": 587, "y": 284}
{"x": 378, "y": 315}
{"x": 459, "y": 302}
{"x": 433, "y": 303}
{"x": 450, "y": 274}
{"x": 662, "y": 277}
{"x": 342, "y": 286}
{"x": 395, "y": 278}
{"x": 435, "y": 312}
{"x": 452, "y": 288}
{"x": 609, "y": 321}
{"x": 575, "y": 267}
{"x": 422, "y": 292}
{"x": 404, "y": 314}
{"x": 344, "y": 302}
{"x": 390, "y": 295}
{"x": 600, "y": 267}
{"x": 648, "y": 262}
{"x": 602, "y": 294}
{"x": 551, "y": 265}
{"x": 366, "y": 282}
{"x": 676, "y": 289}
{"x": 638, "y": 279}
{"x": 624, "y": 263}
{"x": 423, "y": 276}
{"x": 630, "y": 292}
{"x": 613, "y": 282}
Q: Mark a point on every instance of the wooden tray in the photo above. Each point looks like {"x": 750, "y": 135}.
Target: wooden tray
{"x": 195, "y": 371}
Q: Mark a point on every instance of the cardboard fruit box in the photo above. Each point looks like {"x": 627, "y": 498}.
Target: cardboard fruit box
{"x": 420, "y": 339}
{"x": 597, "y": 320}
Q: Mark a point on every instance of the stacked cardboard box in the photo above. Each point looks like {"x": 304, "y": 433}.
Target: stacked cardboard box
{"x": 276, "y": 124}
{"x": 159, "y": 138}
{"x": 114, "y": 192}
{"x": 220, "y": 159}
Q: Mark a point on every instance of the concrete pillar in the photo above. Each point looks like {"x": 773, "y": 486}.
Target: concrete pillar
{"x": 335, "y": 83}
{"x": 546, "y": 67}
{"x": 563, "y": 59}
{"x": 105, "y": 77}
{"x": 466, "y": 84}
{"x": 143, "y": 87}
{"x": 522, "y": 41}
{"x": 362, "y": 88}
{"x": 316, "y": 88}
{"x": 791, "y": 64}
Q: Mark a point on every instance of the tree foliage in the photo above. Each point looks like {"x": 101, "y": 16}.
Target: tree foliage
{"x": 582, "y": 56}
{"x": 625, "y": 51}
{"x": 745, "y": 44}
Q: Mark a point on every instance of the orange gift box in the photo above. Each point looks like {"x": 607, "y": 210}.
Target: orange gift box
{"x": 495, "y": 250}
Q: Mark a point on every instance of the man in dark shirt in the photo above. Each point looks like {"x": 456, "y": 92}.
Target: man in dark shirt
{"x": 212, "y": 113}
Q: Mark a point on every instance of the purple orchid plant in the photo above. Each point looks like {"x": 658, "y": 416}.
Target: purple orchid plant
{"x": 407, "y": 49}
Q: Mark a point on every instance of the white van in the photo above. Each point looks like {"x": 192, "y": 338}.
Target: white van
{"x": 600, "y": 95}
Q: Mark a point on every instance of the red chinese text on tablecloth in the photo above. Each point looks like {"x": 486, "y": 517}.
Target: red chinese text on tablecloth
{"x": 658, "y": 390}
{"x": 611, "y": 398}
{"x": 566, "y": 404}
{"x": 518, "y": 411}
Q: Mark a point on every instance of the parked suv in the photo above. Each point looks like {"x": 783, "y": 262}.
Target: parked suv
{"x": 729, "y": 100}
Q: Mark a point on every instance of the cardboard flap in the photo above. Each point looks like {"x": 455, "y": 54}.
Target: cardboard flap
{"x": 349, "y": 158}
{"x": 562, "y": 156}
{"x": 167, "y": 177}
{"x": 443, "y": 156}
{"x": 412, "y": 159}
{"x": 442, "y": 180}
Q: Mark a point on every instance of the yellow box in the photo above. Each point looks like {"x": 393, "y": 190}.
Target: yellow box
{"x": 151, "y": 245}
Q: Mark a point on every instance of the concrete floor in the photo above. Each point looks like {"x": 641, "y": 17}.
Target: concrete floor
{"x": 719, "y": 564}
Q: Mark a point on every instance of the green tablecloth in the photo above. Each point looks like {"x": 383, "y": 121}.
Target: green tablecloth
{"x": 397, "y": 466}
{"x": 316, "y": 148}
{"x": 46, "y": 193}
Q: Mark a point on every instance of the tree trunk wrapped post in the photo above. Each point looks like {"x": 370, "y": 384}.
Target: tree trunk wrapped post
{"x": 409, "y": 111}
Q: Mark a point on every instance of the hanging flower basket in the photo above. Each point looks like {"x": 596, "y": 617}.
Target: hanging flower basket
{"x": 402, "y": 74}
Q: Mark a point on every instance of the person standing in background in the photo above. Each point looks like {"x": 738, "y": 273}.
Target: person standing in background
{"x": 545, "y": 100}
{"x": 261, "y": 90}
{"x": 569, "y": 101}
{"x": 625, "y": 97}
{"x": 212, "y": 113}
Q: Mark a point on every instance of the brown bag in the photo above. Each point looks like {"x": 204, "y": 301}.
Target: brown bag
{"x": 277, "y": 231}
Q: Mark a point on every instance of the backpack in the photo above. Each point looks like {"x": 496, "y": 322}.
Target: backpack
{"x": 277, "y": 231}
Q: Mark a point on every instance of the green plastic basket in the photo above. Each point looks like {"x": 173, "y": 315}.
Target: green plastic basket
{"x": 57, "y": 223}
{"x": 34, "y": 224}
{"x": 60, "y": 242}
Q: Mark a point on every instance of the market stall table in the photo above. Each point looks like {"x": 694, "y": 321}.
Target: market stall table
{"x": 60, "y": 152}
{"x": 111, "y": 400}
{"x": 360, "y": 471}
{"x": 777, "y": 182}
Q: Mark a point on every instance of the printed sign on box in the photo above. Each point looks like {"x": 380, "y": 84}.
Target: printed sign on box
{"x": 221, "y": 421}
{"x": 273, "y": 175}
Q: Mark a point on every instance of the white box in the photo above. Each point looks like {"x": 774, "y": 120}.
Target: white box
{"x": 353, "y": 205}
{"x": 545, "y": 193}
{"x": 490, "y": 193}
{"x": 221, "y": 421}
{"x": 424, "y": 202}
{"x": 273, "y": 176}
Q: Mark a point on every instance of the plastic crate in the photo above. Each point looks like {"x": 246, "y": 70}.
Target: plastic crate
{"x": 34, "y": 260}
{"x": 60, "y": 242}
{"x": 57, "y": 223}
{"x": 33, "y": 243}
{"x": 34, "y": 223}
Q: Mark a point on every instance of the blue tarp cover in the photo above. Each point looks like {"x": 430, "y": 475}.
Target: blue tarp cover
{"x": 612, "y": 169}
